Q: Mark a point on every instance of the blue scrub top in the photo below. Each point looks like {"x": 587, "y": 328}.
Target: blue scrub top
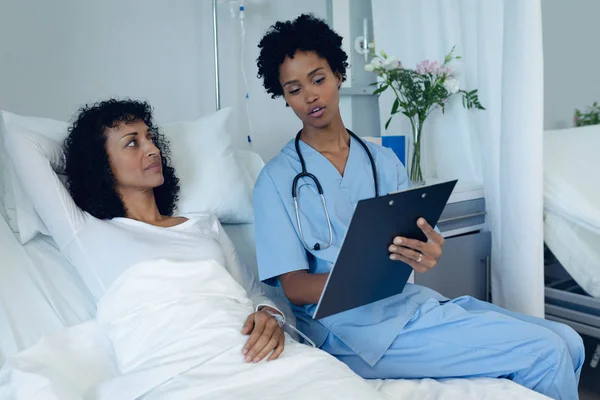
{"x": 368, "y": 330}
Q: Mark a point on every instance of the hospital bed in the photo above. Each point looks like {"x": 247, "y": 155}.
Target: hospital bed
{"x": 51, "y": 347}
{"x": 572, "y": 227}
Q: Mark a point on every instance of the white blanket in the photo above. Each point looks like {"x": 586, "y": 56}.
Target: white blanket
{"x": 175, "y": 330}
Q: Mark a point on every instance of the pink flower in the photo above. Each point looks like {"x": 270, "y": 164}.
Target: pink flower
{"x": 399, "y": 65}
{"x": 422, "y": 67}
{"x": 432, "y": 68}
{"x": 441, "y": 70}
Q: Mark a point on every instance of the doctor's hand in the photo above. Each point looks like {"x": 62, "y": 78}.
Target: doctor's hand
{"x": 419, "y": 255}
{"x": 266, "y": 336}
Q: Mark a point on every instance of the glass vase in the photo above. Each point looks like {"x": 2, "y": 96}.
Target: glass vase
{"x": 415, "y": 171}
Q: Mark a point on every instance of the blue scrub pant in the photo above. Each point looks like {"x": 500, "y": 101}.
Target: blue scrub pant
{"x": 466, "y": 338}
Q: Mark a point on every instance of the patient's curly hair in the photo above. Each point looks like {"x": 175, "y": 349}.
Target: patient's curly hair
{"x": 89, "y": 177}
{"x": 305, "y": 33}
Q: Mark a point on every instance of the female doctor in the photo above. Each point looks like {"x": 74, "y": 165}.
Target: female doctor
{"x": 417, "y": 333}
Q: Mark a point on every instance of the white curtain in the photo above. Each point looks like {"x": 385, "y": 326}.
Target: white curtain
{"x": 501, "y": 47}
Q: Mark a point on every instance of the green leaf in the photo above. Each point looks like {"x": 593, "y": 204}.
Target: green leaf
{"x": 395, "y": 106}
{"x": 381, "y": 89}
{"x": 387, "y": 124}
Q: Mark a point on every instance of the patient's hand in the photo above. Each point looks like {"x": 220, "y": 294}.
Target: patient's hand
{"x": 266, "y": 336}
{"x": 419, "y": 255}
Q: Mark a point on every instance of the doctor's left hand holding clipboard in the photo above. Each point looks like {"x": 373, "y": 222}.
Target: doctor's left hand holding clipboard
{"x": 421, "y": 256}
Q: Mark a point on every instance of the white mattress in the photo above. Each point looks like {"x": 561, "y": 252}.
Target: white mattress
{"x": 577, "y": 249}
{"x": 572, "y": 202}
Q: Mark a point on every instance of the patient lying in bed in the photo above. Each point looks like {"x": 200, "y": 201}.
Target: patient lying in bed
{"x": 173, "y": 296}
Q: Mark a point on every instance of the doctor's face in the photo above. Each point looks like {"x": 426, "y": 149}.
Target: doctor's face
{"x": 311, "y": 88}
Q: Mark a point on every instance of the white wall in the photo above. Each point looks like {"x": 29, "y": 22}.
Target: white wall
{"x": 58, "y": 55}
{"x": 571, "y": 59}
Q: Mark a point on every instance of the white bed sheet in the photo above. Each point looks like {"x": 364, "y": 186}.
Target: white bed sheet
{"x": 29, "y": 305}
{"x": 572, "y": 202}
{"x": 67, "y": 365}
{"x": 39, "y": 293}
{"x": 242, "y": 236}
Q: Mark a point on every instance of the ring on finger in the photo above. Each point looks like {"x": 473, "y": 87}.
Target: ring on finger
{"x": 420, "y": 257}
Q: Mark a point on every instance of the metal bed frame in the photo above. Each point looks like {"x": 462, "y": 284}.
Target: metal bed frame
{"x": 567, "y": 302}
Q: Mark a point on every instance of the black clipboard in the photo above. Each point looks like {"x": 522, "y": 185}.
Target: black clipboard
{"x": 363, "y": 272}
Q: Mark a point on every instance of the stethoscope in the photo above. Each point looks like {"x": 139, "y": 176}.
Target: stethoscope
{"x": 305, "y": 174}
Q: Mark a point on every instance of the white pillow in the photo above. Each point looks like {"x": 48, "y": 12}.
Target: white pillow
{"x": 210, "y": 177}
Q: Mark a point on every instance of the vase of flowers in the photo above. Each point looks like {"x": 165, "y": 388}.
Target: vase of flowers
{"x": 590, "y": 116}
{"x": 417, "y": 93}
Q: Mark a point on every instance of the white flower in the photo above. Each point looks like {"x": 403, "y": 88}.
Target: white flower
{"x": 369, "y": 68}
{"x": 451, "y": 85}
{"x": 377, "y": 62}
{"x": 390, "y": 63}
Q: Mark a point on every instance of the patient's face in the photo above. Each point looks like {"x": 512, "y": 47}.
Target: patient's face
{"x": 134, "y": 159}
{"x": 310, "y": 88}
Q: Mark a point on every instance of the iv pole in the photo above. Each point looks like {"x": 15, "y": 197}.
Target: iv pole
{"x": 216, "y": 55}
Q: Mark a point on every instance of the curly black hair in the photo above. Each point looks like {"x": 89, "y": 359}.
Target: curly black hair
{"x": 305, "y": 33}
{"x": 89, "y": 176}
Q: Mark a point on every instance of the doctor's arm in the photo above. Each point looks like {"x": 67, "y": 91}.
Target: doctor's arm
{"x": 302, "y": 287}
{"x": 281, "y": 256}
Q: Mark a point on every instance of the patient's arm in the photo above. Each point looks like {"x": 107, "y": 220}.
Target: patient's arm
{"x": 34, "y": 158}
{"x": 302, "y": 287}
{"x": 241, "y": 273}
